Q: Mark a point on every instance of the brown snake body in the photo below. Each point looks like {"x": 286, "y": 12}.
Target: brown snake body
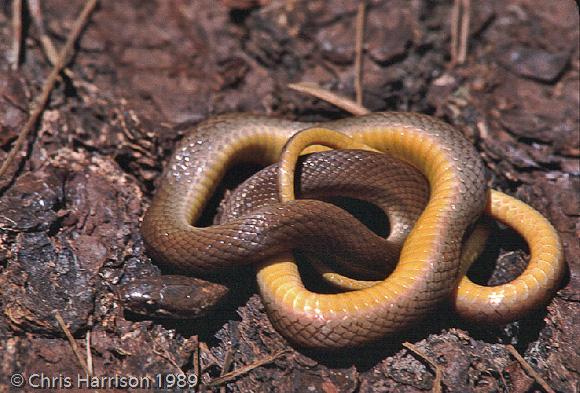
{"x": 429, "y": 267}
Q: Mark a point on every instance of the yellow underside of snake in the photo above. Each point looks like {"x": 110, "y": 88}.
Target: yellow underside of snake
{"x": 429, "y": 268}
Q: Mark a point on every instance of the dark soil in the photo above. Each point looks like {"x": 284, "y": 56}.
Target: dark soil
{"x": 146, "y": 72}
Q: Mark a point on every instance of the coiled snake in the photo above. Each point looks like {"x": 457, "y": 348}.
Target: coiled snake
{"x": 429, "y": 268}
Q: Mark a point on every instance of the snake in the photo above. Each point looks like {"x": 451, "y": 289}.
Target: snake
{"x": 429, "y": 268}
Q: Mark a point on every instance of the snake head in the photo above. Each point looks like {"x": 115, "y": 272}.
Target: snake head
{"x": 174, "y": 297}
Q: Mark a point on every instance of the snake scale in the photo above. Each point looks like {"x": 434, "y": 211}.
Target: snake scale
{"x": 428, "y": 270}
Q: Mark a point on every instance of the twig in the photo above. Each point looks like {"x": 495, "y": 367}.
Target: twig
{"x": 47, "y": 45}
{"x": 228, "y": 358}
{"x": 328, "y": 96}
{"x": 205, "y": 349}
{"x": 17, "y": 27}
{"x": 465, "y": 20}
{"x": 454, "y": 31}
{"x": 460, "y": 20}
{"x": 88, "y": 344}
{"x": 38, "y": 107}
{"x": 72, "y": 342}
{"x": 243, "y": 370}
{"x": 537, "y": 377}
{"x": 89, "y": 354}
{"x": 434, "y": 366}
{"x": 360, "y": 32}
{"x": 171, "y": 360}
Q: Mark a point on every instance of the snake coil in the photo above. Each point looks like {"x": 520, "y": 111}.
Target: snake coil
{"x": 429, "y": 268}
